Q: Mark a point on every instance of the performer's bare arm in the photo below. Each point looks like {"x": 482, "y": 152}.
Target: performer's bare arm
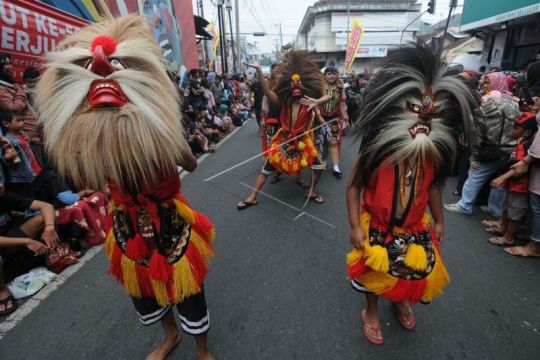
{"x": 320, "y": 118}
{"x": 189, "y": 162}
{"x": 311, "y": 102}
{"x": 436, "y": 209}
{"x": 353, "y": 208}
{"x": 272, "y": 97}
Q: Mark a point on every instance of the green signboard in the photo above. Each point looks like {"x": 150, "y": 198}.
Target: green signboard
{"x": 477, "y": 13}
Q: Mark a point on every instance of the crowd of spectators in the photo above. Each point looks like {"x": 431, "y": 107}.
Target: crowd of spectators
{"x": 43, "y": 220}
{"x": 499, "y": 167}
{"x": 213, "y": 105}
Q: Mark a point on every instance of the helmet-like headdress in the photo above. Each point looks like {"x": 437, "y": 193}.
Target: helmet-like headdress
{"x": 413, "y": 110}
{"x": 110, "y": 111}
{"x": 296, "y": 72}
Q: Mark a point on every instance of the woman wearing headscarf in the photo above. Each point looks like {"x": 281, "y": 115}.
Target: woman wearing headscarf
{"x": 492, "y": 145}
{"x": 13, "y": 98}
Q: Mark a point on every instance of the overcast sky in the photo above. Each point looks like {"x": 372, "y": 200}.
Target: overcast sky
{"x": 265, "y": 16}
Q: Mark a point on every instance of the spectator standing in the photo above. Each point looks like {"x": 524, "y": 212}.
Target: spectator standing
{"x": 516, "y": 199}
{"x": 531, "y": 163}
{"x": 258, "y": 96}
{"x": 492, "y": 145}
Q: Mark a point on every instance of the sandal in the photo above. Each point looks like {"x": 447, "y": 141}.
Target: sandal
{"x": 499, "y": 241}
{"x": 8, "y": 310}
{"x": 372, "y": 334}
{"x": 302, "y": 184}
{"x": 243, "y": 205}
{"x": 494, "y": 230}
{"x": 316, "y": 199}
{"x": 407, "y": 321}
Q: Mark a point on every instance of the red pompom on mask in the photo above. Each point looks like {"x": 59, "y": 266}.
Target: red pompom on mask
{"x": 107, "y": 43}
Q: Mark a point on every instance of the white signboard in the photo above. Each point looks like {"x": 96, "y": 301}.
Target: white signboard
{"x": 376, "y": 21}
{"x": 372, "y": 51}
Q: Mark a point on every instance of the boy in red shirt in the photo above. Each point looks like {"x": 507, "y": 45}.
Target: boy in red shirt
{"x": 516, "y": 200}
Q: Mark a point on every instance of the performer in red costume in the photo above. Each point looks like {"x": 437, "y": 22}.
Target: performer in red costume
{"x": 408, "y": 144}
{"x": 297, "y": 90}
{"x": 111, "y": 119}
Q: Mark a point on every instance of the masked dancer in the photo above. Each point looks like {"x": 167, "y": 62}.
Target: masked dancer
{"x": 408, "y": 126}
{"x": 112, "y": 120}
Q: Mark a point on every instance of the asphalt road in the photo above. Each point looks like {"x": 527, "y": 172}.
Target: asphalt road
{"x": 278, "y": 287}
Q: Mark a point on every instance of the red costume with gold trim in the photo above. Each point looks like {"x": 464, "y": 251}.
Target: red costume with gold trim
{"x": 401, "y": 258}
{"x": 407, "y": 150}
{"x": 292, "y": 146}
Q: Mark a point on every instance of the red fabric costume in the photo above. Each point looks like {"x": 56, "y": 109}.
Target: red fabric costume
{"x": 292, "y": 146}
{"x": 401, "y": 260}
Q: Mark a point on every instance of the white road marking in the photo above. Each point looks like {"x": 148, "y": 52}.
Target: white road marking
{"x": 314, "y": 218}
{"x": 290, "y": 206}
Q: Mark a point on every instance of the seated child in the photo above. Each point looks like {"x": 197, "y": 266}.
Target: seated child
{"x": 25, "y": 173}
{"x": 516, "y": 199}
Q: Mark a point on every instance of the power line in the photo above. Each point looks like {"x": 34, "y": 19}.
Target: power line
{"x": 249, "y": 6}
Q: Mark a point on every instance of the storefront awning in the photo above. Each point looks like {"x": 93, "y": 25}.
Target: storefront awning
{"x": 479, "y": 13}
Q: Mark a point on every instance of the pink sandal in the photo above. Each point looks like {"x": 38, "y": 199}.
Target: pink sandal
{"x": 372, "y": 334}
{"x": 407, "y": 321}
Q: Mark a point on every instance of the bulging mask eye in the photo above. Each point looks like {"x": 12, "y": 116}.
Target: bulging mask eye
{"x": 117, "y": 64}
{"x": 415, "y": 108}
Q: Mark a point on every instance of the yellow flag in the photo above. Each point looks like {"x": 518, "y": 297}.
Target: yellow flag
{"x": 355, "y": 38}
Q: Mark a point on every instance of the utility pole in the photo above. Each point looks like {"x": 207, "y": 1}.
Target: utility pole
{"x": 223, "y": 38}
{"x": 440, "y": 48}
{"x": 229, "y": 8}
{"x": 278, "y": 26}
{"x": 221, "y": 47}
{"x": 238, "y": 48}
{"x": 281, "y": 36}
{"x": 205, "y": 51}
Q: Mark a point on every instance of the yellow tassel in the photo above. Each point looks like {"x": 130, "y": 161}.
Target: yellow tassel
{"x": 354, "y": 256}
{"x": 436, "y": 280}
{"x": 201, "y": 246}
{"x": 295, "y": 167}
{"x": 303, "y": 163}
{"x": 377, "y": 258}
{"x": 129, "y": 276}
{"x": 184, "y": 282}
{"x": 416, "y": 257}
{"x": 301, "y": 145}
{"x": 160, "y": 291}
{"x": 110, "y": 242}
{"x": 426, "y": 220}
{"x": 184, "y": 211}
{"x": 378, "y": 282}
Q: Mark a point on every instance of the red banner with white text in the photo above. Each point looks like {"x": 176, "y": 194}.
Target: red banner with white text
{"x": 29, "y": 29}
